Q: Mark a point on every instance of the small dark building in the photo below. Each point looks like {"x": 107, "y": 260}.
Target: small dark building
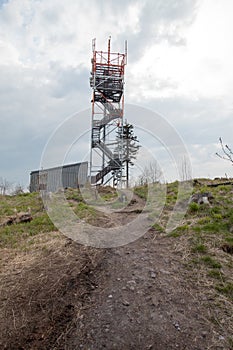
{"x": 72, "y": 175}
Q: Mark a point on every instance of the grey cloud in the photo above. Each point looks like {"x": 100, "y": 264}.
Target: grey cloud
{"x": 70, "y": 79}
{"x": 199, "y": 121}
{"x": 170, "y": 9}
{"x": 33, "y": 102}
{"x": 2, "y": 2}
{"x": 156, "y": 15}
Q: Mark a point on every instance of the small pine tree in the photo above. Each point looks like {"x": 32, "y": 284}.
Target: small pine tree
{"x": 129, "y": 146}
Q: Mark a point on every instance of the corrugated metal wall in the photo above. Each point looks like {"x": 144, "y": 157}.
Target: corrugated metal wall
{"x": 73, "y": 175}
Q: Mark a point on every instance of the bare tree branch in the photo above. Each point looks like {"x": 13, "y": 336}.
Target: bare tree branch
{"x": 227, "y": 152}
{"x": 151, "y": 174}
{"x": 4, "y": 186}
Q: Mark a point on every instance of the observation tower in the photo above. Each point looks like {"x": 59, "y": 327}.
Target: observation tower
{"x": 107, "y": 82}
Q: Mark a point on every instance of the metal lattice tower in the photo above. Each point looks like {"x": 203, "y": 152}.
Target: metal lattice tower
{"x": 107, "y": 82}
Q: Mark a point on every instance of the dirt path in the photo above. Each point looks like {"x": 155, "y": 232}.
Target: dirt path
{"x": 142, "y": 300}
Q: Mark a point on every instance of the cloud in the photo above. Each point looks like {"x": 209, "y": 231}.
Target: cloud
{"x": 160, "y": 21}
{"x": 179, "y": 64}
{"x": 32, "y": 103}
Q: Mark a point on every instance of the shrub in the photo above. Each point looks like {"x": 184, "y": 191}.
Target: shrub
{"x": 194, "y": 207}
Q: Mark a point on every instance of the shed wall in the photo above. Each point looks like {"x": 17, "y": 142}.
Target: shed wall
{"x": 74, "y": 176}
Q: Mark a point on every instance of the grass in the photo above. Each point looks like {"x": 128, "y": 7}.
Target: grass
{"x": 74, "y": 194}
{"x": 179, "y": 231}
{"x": 21, "y": 203}
{"x": 141, "y": 191}
{"x": 229, "y": 239}
{"x": 83, "y": 211}
{"x": 216, "y": 274}
{"x": 13, "y": 235}
{"x": 210, "y": 262}
{"x": 199, "y": 248}
{"x": 205, "y": 240}
{"x": 204, "y": 220}
{"x": 226, "y": 289}
{"x": 194, "y": 207}
{"x": 158, "y": 228}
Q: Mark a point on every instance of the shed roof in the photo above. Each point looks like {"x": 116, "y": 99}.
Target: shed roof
{"x": 57, "y": 167}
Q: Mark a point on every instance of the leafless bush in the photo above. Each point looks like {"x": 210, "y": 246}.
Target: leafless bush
{"x": 227, "y": 152}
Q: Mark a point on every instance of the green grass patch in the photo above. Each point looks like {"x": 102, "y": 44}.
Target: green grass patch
{"x": 8, "y": 204}
{"x": 83, "y": 211}
{"x": 211, "y": 262}
{"x": 226, "y": 289}
{"x": 158, "y": 228}
{"x": 229, "y": 239}
{"x": 224, "y": 188}
{"x": 215, "y": 227}
{"x": 215, "y": 273}
{"x": 199, "y": 248}
{"x": 196, "y": 229}
{"x": 141, "y": 191}
{"x": 13, "y": 234}
{"x": 194, "y": 207}
{"x": 215, "y": 210}
{"x": 109, "y": 196}
{"x": 74, "y": 194}
{"x": 217, "y": 216}
{"x": 204, "y": 220}
{"x": 179, "y": 231}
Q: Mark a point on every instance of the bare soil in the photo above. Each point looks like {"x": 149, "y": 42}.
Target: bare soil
{"x": 61, "y": 295}
{"x": 43, "y": 291}
{"x": 145, "y": 299}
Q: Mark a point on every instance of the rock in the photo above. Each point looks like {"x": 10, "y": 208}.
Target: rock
{"x": 131, "y": 282}
{"x": 153, "y": 274}
{"x": 125, "y": 303}
{"x": 110, "y": 296}
{"x": 154, "y": 301}
{"x": 177, "y": 326}
{"x": 201, "y": 198}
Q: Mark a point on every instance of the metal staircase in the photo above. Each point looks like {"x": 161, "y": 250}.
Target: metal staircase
{"x": 107, "y": 82}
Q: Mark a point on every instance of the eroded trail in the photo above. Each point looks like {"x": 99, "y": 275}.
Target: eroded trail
{"x": 142, "y": 300}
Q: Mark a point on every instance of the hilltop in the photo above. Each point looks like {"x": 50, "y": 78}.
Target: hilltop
{"x": 164, "y": 291}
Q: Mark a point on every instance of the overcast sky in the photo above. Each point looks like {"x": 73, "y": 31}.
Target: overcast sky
{"x": 180, "y": 65}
